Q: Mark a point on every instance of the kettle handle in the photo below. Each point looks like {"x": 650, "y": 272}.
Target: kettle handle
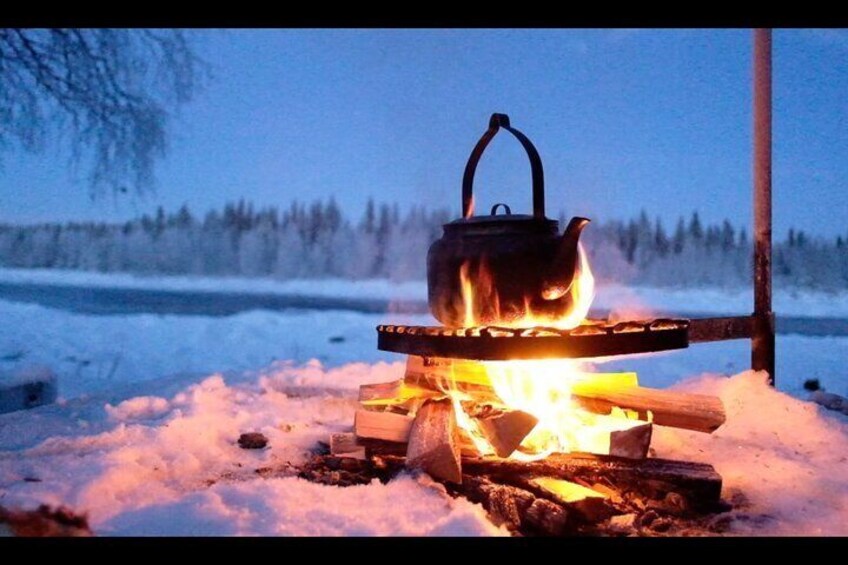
{"x": 496, "y": 122}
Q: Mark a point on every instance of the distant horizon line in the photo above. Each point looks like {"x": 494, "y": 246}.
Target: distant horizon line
{"x": 403, "y": 207}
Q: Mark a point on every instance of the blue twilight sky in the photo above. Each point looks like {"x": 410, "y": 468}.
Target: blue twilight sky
{"x": 623, "y": 119}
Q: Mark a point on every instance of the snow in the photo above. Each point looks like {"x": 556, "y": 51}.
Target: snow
{"x": 146, "y": 465}
{"x": 785, "y": 456}
{"x": 93, "y": 353}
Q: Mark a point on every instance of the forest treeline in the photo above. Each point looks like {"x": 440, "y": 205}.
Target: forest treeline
{"x": 317, "y": 240}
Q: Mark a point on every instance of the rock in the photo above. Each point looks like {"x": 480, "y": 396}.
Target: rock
{"x": 27, "y": 387}
{"x": 812, "y": 385}
{"x": 252, "y": 440}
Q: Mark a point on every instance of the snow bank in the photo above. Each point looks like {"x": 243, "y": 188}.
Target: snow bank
{"x": 783, "y": 457}
{"x": 153, "y": 465}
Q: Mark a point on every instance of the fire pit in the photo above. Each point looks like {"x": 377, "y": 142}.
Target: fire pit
{"x": 497, "y": 405}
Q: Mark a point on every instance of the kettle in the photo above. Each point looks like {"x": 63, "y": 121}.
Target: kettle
{"x": 494, "y": 269}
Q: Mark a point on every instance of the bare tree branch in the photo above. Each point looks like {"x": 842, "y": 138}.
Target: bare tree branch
{"x": 110, "y": 93}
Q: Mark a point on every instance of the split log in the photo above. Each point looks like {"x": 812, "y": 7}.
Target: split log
{"x": 588, "y": 503}
{"x": 395, "y": 393}
{"x": 433, "y": 442}
{"x": 506, "y": 430}
{"x": 698, "y": 412}
{"x": 382, "y": 425}
{"x": 698, "y": 483}
{"x": 632, "y": 442}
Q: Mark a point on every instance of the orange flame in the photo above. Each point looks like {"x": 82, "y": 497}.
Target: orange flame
{"x": 478, "y": 294}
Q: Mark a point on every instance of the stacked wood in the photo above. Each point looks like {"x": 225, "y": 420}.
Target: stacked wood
{"x": 600, "y": 393}
{"x": 413, "y": 423}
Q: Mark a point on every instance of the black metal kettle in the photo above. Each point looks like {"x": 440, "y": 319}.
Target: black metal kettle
{"x": 491, "y": 270}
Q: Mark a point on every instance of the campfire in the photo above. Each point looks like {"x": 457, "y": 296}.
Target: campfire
{"x": 499, "y": 404}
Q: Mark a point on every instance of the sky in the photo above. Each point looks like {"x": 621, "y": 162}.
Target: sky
{"x": 624, "y": 120}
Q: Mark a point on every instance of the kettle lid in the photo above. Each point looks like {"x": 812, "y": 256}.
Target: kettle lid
{"x": 503, "y": 223}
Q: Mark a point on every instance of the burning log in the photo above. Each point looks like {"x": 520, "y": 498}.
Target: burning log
{"x": 387, "y": 426}
{"x": 698, "y": 412}
{"x": 698, "y": 483}
{"x": 394, "y": 393}
{"x": 442, "y": 377}
{"x": 433, "y": 441}
{"x": 506, "y": 430}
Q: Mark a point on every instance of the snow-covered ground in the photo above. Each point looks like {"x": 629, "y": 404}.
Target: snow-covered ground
{"x": 144, "y": 436}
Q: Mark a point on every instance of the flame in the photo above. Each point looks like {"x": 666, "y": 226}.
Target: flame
{"x": 479, "y": 294}
{"x": 542, "y": 387}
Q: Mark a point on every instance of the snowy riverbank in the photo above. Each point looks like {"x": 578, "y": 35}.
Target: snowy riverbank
{"x": 624, "y": 299}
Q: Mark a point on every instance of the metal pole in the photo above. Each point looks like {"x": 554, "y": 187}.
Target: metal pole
{"x": 762, "y": 342}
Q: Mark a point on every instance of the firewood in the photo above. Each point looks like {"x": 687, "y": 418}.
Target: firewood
{"x": 345, "y": 445}
{"x": 698, "y": 483}
{"x": 632, "y": 442}
{"x": 696, "y": 412}
{"x": 506, "y": 430}
{"x": 590, "y": 504}
{"x": 439, "y": 375}
{"x": 379, "y": 395}
{"x": 598, "y": 393}
{"x": 382, "y": 425}
{"x": 433, "y": 442}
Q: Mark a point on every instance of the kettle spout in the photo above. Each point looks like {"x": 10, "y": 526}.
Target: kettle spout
{"x": 561, "y": 271}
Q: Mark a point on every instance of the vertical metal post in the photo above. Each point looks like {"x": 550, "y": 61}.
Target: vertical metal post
{"x": 762, "y": 342}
